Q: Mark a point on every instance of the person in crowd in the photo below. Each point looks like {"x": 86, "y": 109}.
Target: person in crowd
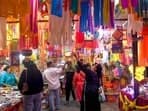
{"x": 90, "y": 101}
{"x": 127, "y": 74}
{"x": 7, "y": 78}
{"x": 69, "y": 73}
{"x": 118, "y": 70}
{"x": 52, "y": 76}
{"x": 99, "y": 73}
{"x": 78, "y": 83}
{"x": 31, "y": 85}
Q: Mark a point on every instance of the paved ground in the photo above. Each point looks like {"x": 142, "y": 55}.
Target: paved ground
{"x": 73, "y": 106}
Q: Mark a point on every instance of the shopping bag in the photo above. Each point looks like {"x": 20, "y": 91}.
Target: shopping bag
{"x": 101, "y": 97}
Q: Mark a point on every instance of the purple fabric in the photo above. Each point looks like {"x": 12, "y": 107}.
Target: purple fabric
{"x": 134, "y": 3}
{"x": 90, "y": 22}
{"x": 124, "y": 3}
{"x": 111, "y": 13}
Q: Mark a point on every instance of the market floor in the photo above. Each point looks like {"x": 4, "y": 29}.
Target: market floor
{"x": 73, "y": 106}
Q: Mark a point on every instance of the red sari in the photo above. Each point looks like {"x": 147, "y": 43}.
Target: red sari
{"x": 78, "y": 82}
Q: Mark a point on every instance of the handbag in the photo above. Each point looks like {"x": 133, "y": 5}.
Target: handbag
{"x": 101, "y": 95}
{"x": 25, "y": 84}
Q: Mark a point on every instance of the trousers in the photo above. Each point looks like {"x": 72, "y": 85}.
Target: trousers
{"x": 32, "y": 102}
{"x": 54, "y": 99}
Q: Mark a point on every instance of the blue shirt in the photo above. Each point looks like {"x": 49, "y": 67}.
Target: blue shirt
{"x": 7, "y": 79}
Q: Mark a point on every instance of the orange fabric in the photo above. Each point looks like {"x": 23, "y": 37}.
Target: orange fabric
{"x": 143, "y": 48}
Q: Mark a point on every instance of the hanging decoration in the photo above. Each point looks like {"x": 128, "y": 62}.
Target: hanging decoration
{"x": 129, "y": 3}
{"x": 2, "y": 32}
{"x": 29, "y": 28}
{"x": 74, "y": 6}
{"x": 143, "y": 48}
{"x": 43, "y": 7}
{"x": 142, "y": 8}
{"x": 108, "y": 8}
{"x": 15, "y": 8}
{"x": 57, "y": 7}
{"x": 90, "y": 19}
{"x": 33, "y": 23}
{"x": 98, "y": 18}
{"x": 79, "y": 39}
{"x": 84, "y": 16}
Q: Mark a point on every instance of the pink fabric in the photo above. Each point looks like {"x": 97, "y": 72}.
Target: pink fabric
{"x": 78, "y": 82}
{"x": 115, "y": 71}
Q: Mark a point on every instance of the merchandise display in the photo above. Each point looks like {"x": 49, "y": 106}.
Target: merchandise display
{"x": 128, "y": 102}
{"x": 9, "y": 97}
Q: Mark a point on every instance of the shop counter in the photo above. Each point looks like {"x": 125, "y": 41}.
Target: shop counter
{"x": 10, "y": 99}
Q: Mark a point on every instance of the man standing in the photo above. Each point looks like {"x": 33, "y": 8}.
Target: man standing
{"x": 52, "y": 76}
{"x": 69, "y": 73}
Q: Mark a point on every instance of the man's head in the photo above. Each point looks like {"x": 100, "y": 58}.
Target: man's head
{"x": 49, "y": 64}
{"x": 28, "y": 63}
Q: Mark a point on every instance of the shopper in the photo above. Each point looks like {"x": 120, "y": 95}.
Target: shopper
{"x": 69, "y": 73}
{"x": 78, "y": 83}
{"x": 52, "y": 76}
{"x": 90, "y": 101}
{"x": 7, "y": 78}
{"x": 31, "y": 85}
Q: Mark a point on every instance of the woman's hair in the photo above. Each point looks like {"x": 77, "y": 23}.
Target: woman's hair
{"x": 78, "y": 69}
{"x": 6, "y": 68}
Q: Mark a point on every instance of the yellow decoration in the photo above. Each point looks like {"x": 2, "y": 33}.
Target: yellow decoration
{"x": 139, "y": 74}
{"x": 115, "y": 57}
{"x": 130, "y": 104}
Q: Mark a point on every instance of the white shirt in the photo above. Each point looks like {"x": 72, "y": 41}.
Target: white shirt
{"x": 52, "y": 75}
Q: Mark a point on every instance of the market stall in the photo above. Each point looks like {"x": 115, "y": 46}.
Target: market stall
{"x": 10, "y": 99}
{"x": 127, "y": 101}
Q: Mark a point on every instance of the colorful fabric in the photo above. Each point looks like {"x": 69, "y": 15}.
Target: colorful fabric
{"x": 2, "y": 32}
{"x": 56, "y": 7}
{"x": 74, "y": 6}
{"x": 14, "y": 8}
{"x": 90, "y": 20}
{"x": 106, "y": 12}
{"x": 84, "y": 16}
{"x": 143, "y": 48}
{"x": 98, "y": 6}
{"x": 142, "y": 8}
{"x": 111, "y": 13}
{"x": 129, "y": 3}
{"x": 60, "y": 28}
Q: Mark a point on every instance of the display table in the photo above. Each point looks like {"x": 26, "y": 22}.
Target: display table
{"x": 128, "y": 103}
{"x": 10, "y": 99}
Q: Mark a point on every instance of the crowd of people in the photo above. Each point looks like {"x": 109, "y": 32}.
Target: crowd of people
{"x": 81, "y": 80}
